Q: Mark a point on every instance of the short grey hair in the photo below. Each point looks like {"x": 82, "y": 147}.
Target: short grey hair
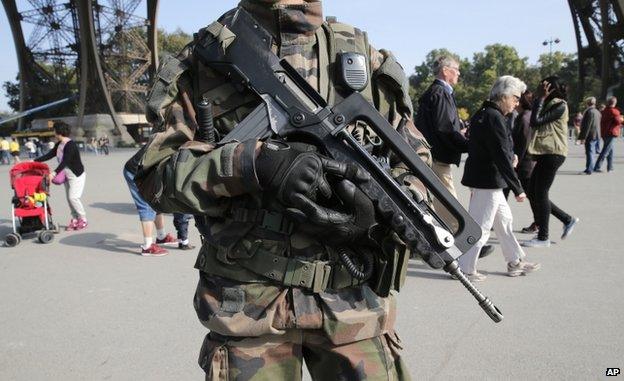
{"x": 507, "y": 85}
{"x": 611, "y": 101}
{"x": 442, "y": 62}
{"x": 590, "y": 101}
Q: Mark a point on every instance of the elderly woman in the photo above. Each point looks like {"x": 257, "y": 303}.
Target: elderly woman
{"x": 549, "y": 148}
{"x": 489, "y": 169}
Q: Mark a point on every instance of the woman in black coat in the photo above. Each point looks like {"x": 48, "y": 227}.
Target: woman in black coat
{"x": 489, "y": 169}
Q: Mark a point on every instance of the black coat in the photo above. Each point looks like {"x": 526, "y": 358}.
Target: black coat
{"x": 437, "y": 119}
{"x": 490, "y": 152}
{"x": 522, "y": 135}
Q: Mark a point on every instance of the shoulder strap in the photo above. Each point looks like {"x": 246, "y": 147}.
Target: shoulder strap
{"x": 165, "y": 89}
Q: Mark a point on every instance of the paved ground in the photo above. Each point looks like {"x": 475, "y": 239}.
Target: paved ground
{"x": 88, "y": 307}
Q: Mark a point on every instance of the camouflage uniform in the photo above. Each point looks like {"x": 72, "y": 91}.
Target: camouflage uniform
{"x": 271, "y": 295}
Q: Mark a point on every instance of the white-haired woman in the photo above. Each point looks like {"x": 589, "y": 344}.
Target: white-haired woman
{"x": 489, "y": 169}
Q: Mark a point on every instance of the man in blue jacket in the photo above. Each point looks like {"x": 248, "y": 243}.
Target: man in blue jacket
{"x": 439, "y": 121}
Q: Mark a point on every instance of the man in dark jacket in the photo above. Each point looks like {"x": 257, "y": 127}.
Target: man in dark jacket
{"x": 590, "y": 133}
{"x": 438, "y": 120}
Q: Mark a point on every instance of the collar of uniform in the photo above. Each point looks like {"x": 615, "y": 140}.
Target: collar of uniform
{"x": 290, "y": 24}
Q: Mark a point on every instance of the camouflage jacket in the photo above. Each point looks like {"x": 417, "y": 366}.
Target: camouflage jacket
{"x": 256, "y": 280}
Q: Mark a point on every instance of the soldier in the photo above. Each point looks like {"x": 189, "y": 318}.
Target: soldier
{"x": 271, "y": 290}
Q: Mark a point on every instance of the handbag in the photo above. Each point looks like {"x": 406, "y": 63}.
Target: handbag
{"x": 60, "y": 178}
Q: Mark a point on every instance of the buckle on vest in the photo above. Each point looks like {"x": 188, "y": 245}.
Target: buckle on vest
{"x": 313, "y": 275}
{"x": 275, "y": 222}
{"x": 322, "y": 275}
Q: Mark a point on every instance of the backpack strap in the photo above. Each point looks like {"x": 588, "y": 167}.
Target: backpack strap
{"x": 393, "y": 75}
{"x": 165, "y": 89}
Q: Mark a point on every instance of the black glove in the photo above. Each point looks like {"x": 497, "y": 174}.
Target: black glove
{"x": 292, "y": 170}
{"x": 354, "y": 224}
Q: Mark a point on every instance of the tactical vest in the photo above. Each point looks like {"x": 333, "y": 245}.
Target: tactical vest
{"x": 245, "y": 260}
{"x": 332, "y": 37}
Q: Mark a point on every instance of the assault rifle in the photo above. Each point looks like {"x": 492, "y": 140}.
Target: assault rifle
{"x": 242, "y": 53}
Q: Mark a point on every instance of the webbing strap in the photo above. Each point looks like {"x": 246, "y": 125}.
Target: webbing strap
{"x": 323, "y": 63}
{"x": 266, "y": 219}
{"x": 291, "y": 272}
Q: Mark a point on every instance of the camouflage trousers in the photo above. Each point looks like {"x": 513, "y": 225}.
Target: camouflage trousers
{"x": 280, "y": 357}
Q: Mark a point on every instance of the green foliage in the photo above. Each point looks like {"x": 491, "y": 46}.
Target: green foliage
{"x": 8, "y": 127}
{"x": 12, "y": 91}
{"x": 172, "y": 43}
{"x": 478, "y": 75}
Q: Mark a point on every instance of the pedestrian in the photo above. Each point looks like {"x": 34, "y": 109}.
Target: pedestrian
{"x": 576, "y": 127}
{"x": 590, "y": 133}
{"x": 93, "y": 146}
{"x": 266, "y": 312}
{"x": 181, "y": 223}
{"x": 150, "y": 220}
{"x": 549, "y": 148}
{"x": 31, "y": 149}
{"x": 4, "y": 151}
{"x": 439, "y": 121}
{"x": 70, "y": 172}
{"x": 521, "y": 136}
{"x": 610, "y": 126}
{"x": 489, "y": 169}
{"x": 103, "y": 142}
{"x": 38, "y": 147}
{"x": 14, "y": 148}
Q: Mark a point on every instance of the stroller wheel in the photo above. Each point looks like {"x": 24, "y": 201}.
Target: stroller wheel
{"x": 46, "y": 236}
{"x": 12, "y": 239}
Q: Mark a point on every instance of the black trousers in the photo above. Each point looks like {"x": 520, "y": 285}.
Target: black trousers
{"x": 542, "y": 178}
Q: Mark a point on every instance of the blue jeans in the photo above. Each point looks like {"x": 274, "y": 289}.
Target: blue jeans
{"x": 591, "y": 150}
{"x": 146, "y": 213}
{"x": 607, "y": 151}
{"x": 181, "y": 222}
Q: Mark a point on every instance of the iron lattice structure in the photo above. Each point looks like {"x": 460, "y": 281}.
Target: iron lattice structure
{"x": 101, "y": 49}
{"x": 599, "y": 29}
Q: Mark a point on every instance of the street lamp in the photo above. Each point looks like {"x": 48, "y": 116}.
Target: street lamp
{"x": 551, "y": 42}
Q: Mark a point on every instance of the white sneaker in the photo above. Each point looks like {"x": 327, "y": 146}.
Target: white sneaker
{"x": 536, "y": 243}
{"x": 476, "y": 277}
{"x": 521, "y": 268}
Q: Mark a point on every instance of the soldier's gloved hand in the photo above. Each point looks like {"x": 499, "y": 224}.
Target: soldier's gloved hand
{"x": 294, "y": 171}
{"x": 351, "y": 225}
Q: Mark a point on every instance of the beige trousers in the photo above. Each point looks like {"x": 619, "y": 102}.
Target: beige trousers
{"x": 490, "y": 209}
{"x": 443, "y": 171}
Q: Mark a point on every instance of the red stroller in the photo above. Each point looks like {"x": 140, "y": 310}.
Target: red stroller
{"x": 30, "y": 211}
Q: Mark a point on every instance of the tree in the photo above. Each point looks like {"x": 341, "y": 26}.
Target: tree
{"x": 478, "y": 75}
{"x": 12, "y": 92}
{"x": 172, "y": 43}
